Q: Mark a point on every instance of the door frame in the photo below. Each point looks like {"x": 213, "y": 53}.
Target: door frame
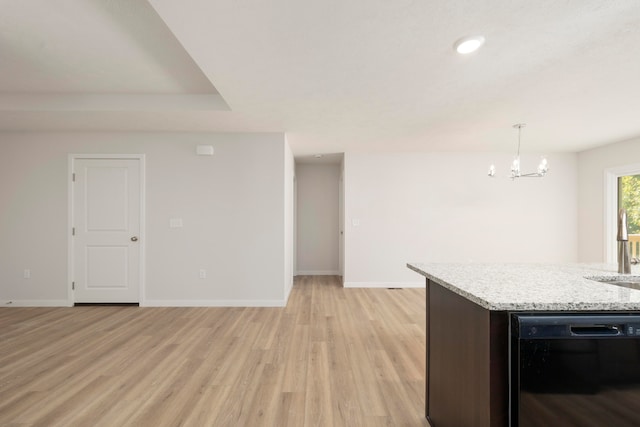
{"x": 70, "y": 218}
{"x": 611, "y": 176}
{"x": 341, "y": 223}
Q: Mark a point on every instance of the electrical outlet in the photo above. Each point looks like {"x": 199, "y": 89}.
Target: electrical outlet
{"x": 203, "y": 273}
{"x": 27, "y": 273}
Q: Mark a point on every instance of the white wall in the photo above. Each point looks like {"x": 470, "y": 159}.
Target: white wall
{"x": 442, "y": 207}
{"x": 232, "y": 205}
{"x": 591, "y": 172}
{"x": 317, "y": 218}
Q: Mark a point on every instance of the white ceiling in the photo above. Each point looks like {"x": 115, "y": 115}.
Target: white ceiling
{"x": 334, "y": 75}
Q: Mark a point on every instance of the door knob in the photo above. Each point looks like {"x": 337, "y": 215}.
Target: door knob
{"x": 134, "y": 239}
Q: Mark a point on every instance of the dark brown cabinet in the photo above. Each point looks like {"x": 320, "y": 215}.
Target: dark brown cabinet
{"x": 467, "y": 362}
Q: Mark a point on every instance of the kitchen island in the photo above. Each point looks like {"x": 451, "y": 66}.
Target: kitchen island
{"x": 468, "y": 312}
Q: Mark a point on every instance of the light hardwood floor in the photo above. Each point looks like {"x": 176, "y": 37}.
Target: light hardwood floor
{"x": 332, "y": 357}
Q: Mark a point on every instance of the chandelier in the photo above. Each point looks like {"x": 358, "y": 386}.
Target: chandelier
{"x": 543, "y": 167}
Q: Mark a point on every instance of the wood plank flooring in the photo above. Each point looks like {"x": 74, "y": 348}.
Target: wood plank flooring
{"x": 332, "y": 357}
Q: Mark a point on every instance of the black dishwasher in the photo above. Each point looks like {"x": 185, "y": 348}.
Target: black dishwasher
{"x": 573, "y": 370}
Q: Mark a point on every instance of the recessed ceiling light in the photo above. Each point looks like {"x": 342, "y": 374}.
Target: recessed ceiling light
{"x": 317, "y": 156}
{"x": 468, "y": 44}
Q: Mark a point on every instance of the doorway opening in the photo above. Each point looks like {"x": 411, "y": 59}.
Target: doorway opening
{"x": 319, "y": 205}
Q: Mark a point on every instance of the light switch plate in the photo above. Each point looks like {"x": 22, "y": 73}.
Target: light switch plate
{"x": 175, "y": 222}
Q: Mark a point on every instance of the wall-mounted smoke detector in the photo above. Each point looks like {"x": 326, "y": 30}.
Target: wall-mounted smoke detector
{"x": 468, "y": 44}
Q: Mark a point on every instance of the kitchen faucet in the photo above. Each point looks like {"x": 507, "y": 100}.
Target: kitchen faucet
{"x": 624, "y": 263}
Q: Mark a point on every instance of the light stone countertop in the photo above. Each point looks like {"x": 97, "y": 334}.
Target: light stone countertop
{"x": 535, "y": 287}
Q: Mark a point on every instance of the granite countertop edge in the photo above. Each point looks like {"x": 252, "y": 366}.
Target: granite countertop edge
{"x": 535, "y": 287}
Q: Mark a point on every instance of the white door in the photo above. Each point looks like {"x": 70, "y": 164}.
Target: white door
{"x": 106, "y": 227}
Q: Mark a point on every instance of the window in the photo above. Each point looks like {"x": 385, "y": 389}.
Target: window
{"x": 629, "y": 199}
{"x": 612, "y": 199}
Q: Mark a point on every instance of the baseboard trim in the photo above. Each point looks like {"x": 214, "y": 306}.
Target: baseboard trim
{"x": 318, "y": 273}
{"x": 385, "y": 284}
{"x": 214, "y": 303}
{"x": 35, "y": 303}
